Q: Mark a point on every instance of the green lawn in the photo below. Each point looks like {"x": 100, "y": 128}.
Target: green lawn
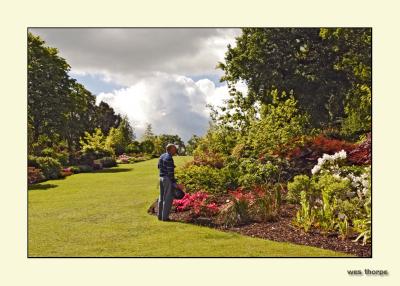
{"x": 105, "y": 214}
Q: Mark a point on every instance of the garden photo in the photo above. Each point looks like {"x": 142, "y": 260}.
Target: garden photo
{"x": 199, "y": 142}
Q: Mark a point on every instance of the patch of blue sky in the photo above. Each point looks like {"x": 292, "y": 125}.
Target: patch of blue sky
{"x": 95, "y": 83}
{"x": 213, "y": 77}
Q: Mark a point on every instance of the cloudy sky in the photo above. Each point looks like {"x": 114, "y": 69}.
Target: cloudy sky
{"x": 160, "y": 76}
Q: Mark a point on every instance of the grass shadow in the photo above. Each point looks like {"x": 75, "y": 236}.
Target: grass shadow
{"x": 116, "y": 170}
{"x": 41, "y": 187}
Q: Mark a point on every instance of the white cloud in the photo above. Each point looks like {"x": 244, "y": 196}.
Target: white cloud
{"x": 156, "y": 66}
{"x": 173, "y": 104}
{"x": 127, "y": 55}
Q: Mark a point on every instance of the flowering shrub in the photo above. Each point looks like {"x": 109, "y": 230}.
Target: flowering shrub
{"x": 336, "y": 197}
{"x": 240, "y": 195}
{"x": 35, "y": 175}
{"x": 197, "y": 202}
{"x": 138, "y": 159}
{"x": 123, "y": 159}
{"x": 50, "y": 167}
{"x": 333, "y": 164}
{"x": 211, "y": 209}
{"x": 304, "y": 157}
{"x": 267, "y": 201}
{"x": 75, "y": 169}
{"x": 240, "y": 210}
{"x": 329, "y": 162}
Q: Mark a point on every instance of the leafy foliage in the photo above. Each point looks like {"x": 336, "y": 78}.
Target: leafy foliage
{"x": 251, "y": 173}
{"x": 50, "y": 167}
{"x": 279, "y": 124}
{"x": 301, "y": 183}
{"x": 306, "y": 215}
{"x": 329, "y": 71}
{"x": 94, "y": 145}
{"x": 59, "y": 108}
{"x": 192, "y": 144}
{"x": 336, "y": 197}
{"x": 119, "y": 138}
{"x": 208, "y": 158}
{"x": 161, "y": 141}
{"x": 202, "y": 178}
{"x": 108, "y": 162}
{"x": 267, "y": 202}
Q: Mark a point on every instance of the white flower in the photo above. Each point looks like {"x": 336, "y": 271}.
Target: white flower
{"x": 342, "y": 154}
{"x": 316, "y": 169}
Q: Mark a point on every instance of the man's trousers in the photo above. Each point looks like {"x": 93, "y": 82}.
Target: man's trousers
{"x": 165, "y": 199}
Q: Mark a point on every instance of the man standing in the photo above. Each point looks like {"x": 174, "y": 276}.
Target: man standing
{"x": 167, "y": 182}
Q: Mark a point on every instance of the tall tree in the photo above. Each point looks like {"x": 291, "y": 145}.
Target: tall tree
{"x": 49, "y": 87}
{"x": 161, "y": 141}
{"x": 353, "y": 50}
{"x": 119, "y": 138}
{"x": 148, "y": 133}
{"x": 295, "y": 59}
{"x": 105, "y": 117}
{"x": 78, "y": 116}
{"x": 59, "y": 108}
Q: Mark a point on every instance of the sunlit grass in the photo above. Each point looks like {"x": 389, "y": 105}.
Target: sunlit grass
{"x": 104, "y": 214}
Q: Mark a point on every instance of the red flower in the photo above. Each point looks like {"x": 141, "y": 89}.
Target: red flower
{"x": 240, "y": 195}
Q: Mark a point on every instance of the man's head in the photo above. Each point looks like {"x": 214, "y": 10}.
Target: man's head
{"x": 171, "y": 148}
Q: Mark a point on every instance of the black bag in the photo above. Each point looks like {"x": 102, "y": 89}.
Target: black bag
{"x": 178, "y": 194}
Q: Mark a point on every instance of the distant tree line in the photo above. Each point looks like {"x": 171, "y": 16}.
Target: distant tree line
{"x": 64, "y": 122}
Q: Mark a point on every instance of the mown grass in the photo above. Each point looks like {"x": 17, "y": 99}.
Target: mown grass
{"x": 104, "y": 214}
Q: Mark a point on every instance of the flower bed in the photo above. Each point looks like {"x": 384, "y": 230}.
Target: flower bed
{"x": 317, "y": 194}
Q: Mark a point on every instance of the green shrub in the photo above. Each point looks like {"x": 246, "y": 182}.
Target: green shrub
{"x": 231, "y": 171}
{"x": 85, "y": 168}
{"x": 239, "y": 150}
{"x": 330, "y": 203}
{"x": 50, "y": 167}
{"x": 133, "y": 148}
{"x": 332, "y": 186}
{"x": 196, "y": 178}
{"x": 300, "y": 183}
{"x": 108, "y": 162}
{"x": 363, "y": 225}
{"x": 252, "y": 172}
{"x": 305, "y": 215}
{"x": 279, "y": 124}
{"x": 61, "y": 156}
{"x": 94, "y": 146}
{"x": 32, "y": 161}
{"x": 75, "y": 169}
